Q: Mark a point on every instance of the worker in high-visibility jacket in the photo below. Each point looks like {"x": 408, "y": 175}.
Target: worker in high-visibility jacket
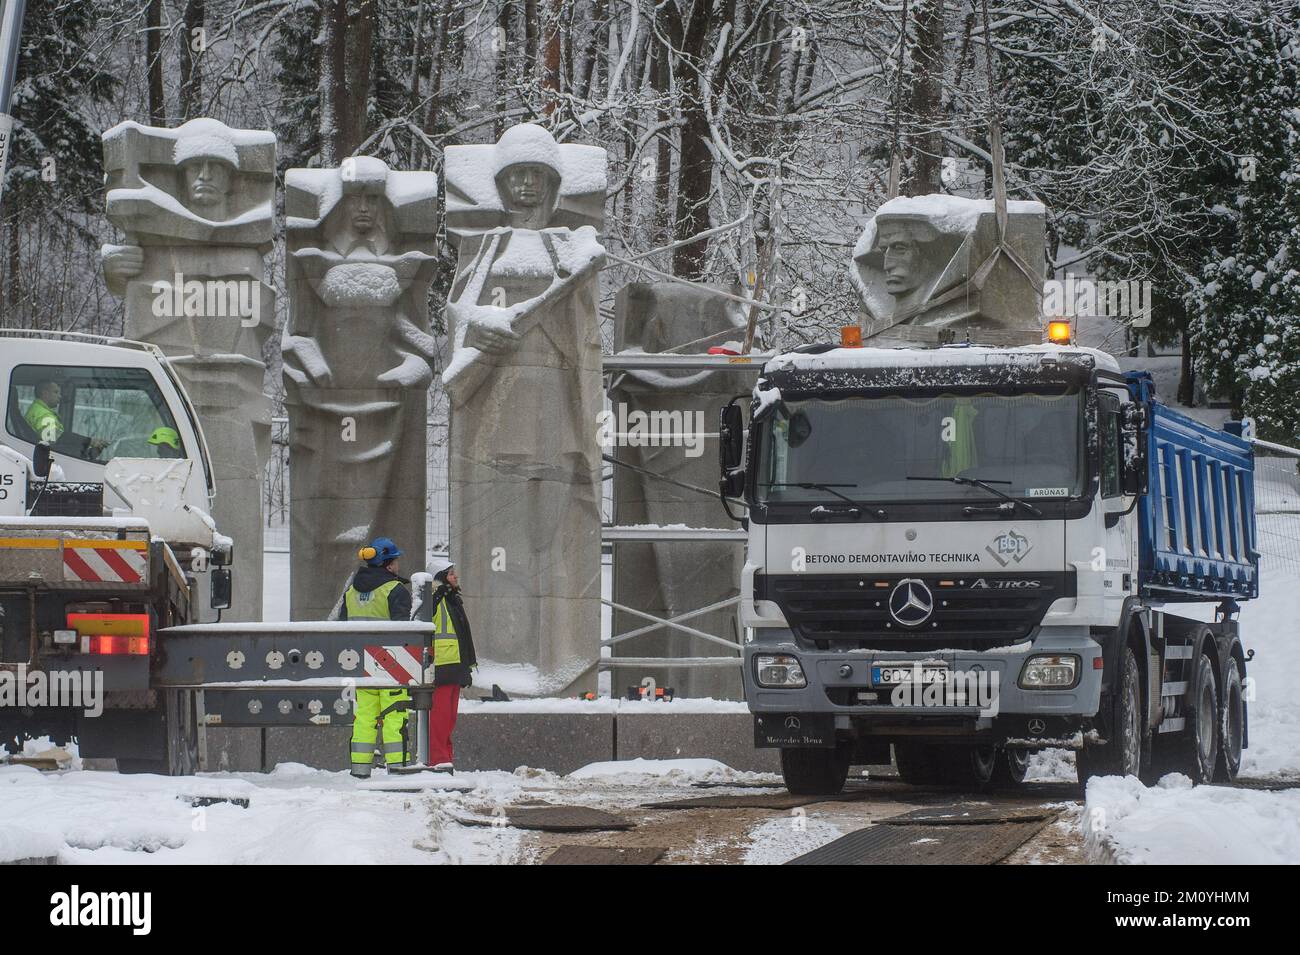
{"x": 453, "y": 661}
{"x": 377, "y": 593}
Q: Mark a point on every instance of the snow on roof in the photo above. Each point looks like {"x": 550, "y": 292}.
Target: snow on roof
{"x": 961, "y": 356}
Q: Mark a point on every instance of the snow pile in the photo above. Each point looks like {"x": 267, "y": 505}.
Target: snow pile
{"x": 1175, "y": 823}
{"x": 628, "y": 769}
{"x": 777, "y": 841}
{"x": 294, "y": 815}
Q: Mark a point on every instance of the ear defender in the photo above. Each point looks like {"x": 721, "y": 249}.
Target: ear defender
{"x": 367, "y": 553}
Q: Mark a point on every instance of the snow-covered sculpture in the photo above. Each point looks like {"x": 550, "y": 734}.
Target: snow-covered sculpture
{"x": 661, "y": 417}
{"x": 196, "y": 205}
{"x": 929, "y": 270}
{"x": 360, "y": 242}
{"x": 525, "y": 387}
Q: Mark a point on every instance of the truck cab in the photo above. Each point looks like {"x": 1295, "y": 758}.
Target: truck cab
{"x": 945, "y": 557}
{"x": 112, "y": 413}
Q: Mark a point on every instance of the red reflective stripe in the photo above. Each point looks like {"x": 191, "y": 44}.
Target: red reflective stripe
{"x": 124, "y": 570}
{"x": 390, "y": 665}
{"x": 77, "y": 565}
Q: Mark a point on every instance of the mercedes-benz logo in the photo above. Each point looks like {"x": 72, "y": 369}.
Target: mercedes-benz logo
{"x": 792, "y": 723}
{"x": 910, "y": 602}
{"x": 1037, "y": 727}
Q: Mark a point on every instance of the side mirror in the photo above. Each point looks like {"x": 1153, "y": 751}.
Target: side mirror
{"x": 41, "y": 461}
{"x": 1133, "y": 449}
{"x": 220, "y": 583}
{"x": 731, "y": 437}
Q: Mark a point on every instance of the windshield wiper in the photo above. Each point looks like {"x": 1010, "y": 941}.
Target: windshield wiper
{"x": 829, "y": 489}
{"x": 985, "y": 485}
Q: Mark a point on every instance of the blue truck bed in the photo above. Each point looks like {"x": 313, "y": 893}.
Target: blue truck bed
{"x": 1197, "y": 520}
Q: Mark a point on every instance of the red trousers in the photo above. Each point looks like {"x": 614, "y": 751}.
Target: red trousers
{"x": 442, "y": 720}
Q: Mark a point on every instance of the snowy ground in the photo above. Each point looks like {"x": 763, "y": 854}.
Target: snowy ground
{"x": 307, "y": 816}
{"x": 1176, "y": 823}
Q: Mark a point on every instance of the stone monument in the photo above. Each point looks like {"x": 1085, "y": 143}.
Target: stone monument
{"x": 196, "y": 205}
{"x": 670, "y": 579}
{"x": 929, "y": 270}
{"x": 525, "y": 388}
{"x": 360, "y": 243}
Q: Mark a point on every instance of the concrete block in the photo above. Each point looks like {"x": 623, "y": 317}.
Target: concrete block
{"x": 234, "y": 749}
{"x": 726, "y": 737}
{"x": 321, "y": 747}
{"x": 560, "y": 742}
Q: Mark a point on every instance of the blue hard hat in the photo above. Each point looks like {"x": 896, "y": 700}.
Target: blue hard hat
{"x": 380, "y": 552}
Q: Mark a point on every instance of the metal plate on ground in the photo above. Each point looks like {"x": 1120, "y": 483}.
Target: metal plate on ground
{"x": 605, "y": 855}
{"x": 554, "y": 819}
{"x": 1266, "y": 785}
{"x": 929, "y": 845}
{"x": 972, "y": 814}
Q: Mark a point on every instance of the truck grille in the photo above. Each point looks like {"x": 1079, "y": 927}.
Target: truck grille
{"x": 965, "y": 611}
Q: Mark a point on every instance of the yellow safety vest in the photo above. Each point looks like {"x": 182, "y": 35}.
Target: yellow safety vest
{"x": 44, "y": 421}
{"x": 446, "y": 645}
{"x": 373, "y": 604}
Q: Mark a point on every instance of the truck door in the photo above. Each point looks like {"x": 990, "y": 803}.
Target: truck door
{"x": 1115, "y": 561}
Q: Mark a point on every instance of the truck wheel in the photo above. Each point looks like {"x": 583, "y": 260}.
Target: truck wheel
{"x": 1232, "y": 724}
{"x": 1011, "y": 767}
{"x": 1198, "y": 749}
{"x": 1128, "y": 750}
{"x": 816, "y": 772}
{"x": 970, "y": 767}
{"x": 918, "y": 764}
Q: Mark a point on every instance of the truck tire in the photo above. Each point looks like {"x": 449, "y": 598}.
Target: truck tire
{"x": 1232, "y": 725}
{"x": 918, "y": 763}
{"x": 1128, "y": 751}
{"x": 1011, "y": 768}
{"x": 970, "y": 767}
{"x": 816, "y": 772}
{"x": 1197, "y": 748}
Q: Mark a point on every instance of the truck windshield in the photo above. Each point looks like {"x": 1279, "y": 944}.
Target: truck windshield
{"x": 1031, "y": 444}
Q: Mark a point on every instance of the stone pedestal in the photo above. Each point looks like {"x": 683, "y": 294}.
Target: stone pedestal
{"x": 196, "y": 206}
{"x": 357, "y": 366}
{"x": 525, "y": 388}
{"x": 669, "y": 579}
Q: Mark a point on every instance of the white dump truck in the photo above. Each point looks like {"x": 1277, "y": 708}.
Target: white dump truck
{"x": 969, "y": 554}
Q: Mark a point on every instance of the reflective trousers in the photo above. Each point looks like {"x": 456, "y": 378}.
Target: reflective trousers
{"x": 365, "y": 734}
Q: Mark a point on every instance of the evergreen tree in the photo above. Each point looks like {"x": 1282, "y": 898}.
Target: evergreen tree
{"x": 1246, "y": 331}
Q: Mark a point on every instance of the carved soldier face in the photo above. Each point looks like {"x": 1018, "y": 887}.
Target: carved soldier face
{"x": 207, "y": 186}
{"x": 528, "y": 185}
{"x": 362, "y": 212}
{"x": 903, "y": 267}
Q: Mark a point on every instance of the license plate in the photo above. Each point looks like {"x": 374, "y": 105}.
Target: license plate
{"x": 895, "y": 674}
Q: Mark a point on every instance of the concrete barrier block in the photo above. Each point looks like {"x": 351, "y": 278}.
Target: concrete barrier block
{"x": 321, "y": 747}
{"x": 726, "y": 737}
{"x": 559, "y": 742}
{"x": 234, "y": 749}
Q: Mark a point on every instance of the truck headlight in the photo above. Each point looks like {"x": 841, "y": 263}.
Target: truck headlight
{"x": 779, "y": 670}
{"x": 1050, "y": 673}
